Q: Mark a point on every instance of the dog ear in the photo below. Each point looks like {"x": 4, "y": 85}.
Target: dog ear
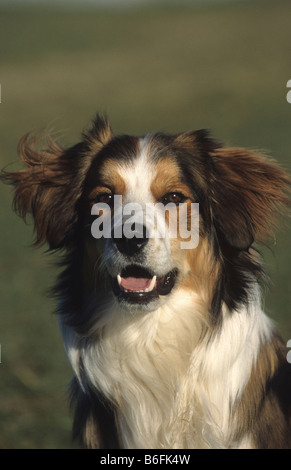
{"x": 50, "y": 185}
{"x": 248, "y": 193}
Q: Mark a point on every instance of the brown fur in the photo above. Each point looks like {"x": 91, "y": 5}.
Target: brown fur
{"x": 265, "y": 406}
{"x": 52, "y": 182}
{"x": 249, "y": 193}
{"x": 111, "y": 181}
{"x": 168, "y": 179}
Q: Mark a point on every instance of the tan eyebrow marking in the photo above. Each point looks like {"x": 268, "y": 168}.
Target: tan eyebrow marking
{"x": 167, "y": 180}
{"x": 111, "y": 180}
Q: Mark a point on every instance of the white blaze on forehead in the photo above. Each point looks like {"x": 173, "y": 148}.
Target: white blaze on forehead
{"x": 138, "y": 201}
{"x": 138, "y": 175}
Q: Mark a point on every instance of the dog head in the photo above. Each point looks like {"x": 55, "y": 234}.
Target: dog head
{"x": 140, "y": 258}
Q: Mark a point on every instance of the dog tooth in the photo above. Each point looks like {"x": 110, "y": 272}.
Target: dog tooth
{"x": 119, "y": 279}
{"x": 152, "y": 284}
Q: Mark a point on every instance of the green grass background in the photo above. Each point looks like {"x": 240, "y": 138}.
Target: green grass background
{"x": 170, "y": 69}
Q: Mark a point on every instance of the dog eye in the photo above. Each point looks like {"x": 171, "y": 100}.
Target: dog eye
{"x": 175, "y": 198}
{"x": 105, "y": 198}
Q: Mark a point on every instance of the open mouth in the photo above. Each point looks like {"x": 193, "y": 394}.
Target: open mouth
{"x": 138, "y": 285}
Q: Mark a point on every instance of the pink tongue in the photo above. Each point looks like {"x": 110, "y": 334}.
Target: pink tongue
{"x": 135, "y": 283}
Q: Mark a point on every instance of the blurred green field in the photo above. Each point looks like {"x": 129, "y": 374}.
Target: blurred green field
{"x": 168, "y": 69}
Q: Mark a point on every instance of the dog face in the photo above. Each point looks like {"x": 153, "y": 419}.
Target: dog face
{"x": 239, "y": 194}
{"x": 146, "y": 265}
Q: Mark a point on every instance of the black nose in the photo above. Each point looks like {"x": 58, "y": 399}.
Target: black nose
{"x": 133, "y": 240}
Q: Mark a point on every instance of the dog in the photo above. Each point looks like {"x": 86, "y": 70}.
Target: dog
{"x": 170, "y": 346}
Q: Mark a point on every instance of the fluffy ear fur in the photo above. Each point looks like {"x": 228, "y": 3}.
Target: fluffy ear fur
{"x": 249, "y": 192}
{"x": 51, "y": 184}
